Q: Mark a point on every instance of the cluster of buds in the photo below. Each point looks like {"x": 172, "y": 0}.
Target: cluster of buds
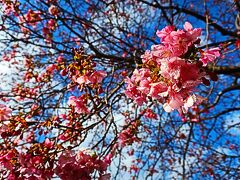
{"x": 19, "y": 165}
{"x": 31, "y": 18}
{"x": 25, "y": 92}
{"x": 82, "y": 70}
{"x": 83, "y": 74}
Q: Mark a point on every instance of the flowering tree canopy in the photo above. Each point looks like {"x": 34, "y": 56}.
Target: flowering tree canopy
{"x": 109, "y": 89}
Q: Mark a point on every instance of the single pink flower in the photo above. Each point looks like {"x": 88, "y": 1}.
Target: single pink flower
{"x": 158, "y": 90}
{"x": 97, "y": 76}
{"x": 150, "y": 114}
{"x": 48, "y": 143}
{"x": 147, "y": 56}
{"x": 209, "y": 55}
{"x": 83, "y": 80}
{"x": 192, "y": 34}
{"x": 50, "y": 69}
{"x": 79, "y": 165}
{"x": 187, "y": 26}
{"x": 53, "y": 10}
{"x": 165, "y": 32}
{"x": 144, "y": 86}
{"x": 4, "y": 112}
{"x": 80, "y": 104}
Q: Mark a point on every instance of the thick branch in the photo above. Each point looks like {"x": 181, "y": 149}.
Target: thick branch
{"x": 227, "y": 70}
{"x": 196, "y": 15}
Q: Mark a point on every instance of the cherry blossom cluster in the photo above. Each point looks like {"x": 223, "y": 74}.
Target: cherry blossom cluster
{"x": 8, "y": 56}
{"x": 86, "y": 73}
{"x": 53, "y": 10}
{"x": 31, "y": 17}
{"x": 38, "y": 163}
{"x": 172, "y": 70}
{"x": 82, "y": 71}
{"x": 129, "y": 134}
{"x": 51, "y": 24}
{"x": 10, "y": 6}
{"x": 148, "y": 113}
{"x": 19, "y": 165}
{"x": 81, "y": 165}
{"x": 79, "y": 104}
{"x": 25, "y": 92}
{"x": 83, "y": 75}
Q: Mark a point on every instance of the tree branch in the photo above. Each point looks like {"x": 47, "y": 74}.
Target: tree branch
{"x": 227, "y": 70}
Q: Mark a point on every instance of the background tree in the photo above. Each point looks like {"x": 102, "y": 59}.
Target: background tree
{"x": 69, "y": 61}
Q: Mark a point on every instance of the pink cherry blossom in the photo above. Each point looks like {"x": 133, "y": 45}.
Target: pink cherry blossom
{"x": 97, "y": 76}
{"x": 94, "y": 78}
{"x": 49, "y": 144}
{"x": 79, "y": 165}
{"x": 144, "y": 86}
{"x": 79, "y": 104}
{"x": 158, "y": 90}
{"x": 128, "y": 135}
{"x": 50, "y": 69}
{"x": 209, "y": 55}
{"x": 133, "y": 93}
{"x": 53, "y": 10}
{"x": 4, "y": 112}
{"x": 150, "y": 114}
{"x": 160, "y": 51}
{"x": 83, "y": 80}
{"x": 171, "y": 71}
{"x": 32, "y": 167}
{"x": 147, "y": 56}
{"x": 193, "y": 34}
{"x": 31, "y": 18}
{"x": 178, "y": 42}
{"x": 175, "y": 102}
{"x": 165, "y": 32}
{"x": 187, "y": 26}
